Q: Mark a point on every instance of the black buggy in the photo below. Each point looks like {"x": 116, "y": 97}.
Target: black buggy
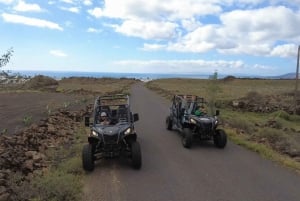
{"x": 114, "y": 139}
{"x": 182, "y": 117}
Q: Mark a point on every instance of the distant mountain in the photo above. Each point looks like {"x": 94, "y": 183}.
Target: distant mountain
{"x": 286, "y": 76}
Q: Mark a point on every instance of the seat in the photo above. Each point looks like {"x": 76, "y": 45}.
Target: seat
{"x": 106, "y": 109}
{"x": 122, "y": 113}
{"x": 192, "y": 108}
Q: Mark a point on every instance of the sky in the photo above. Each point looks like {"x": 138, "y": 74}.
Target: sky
{"x": 247, "y": 37}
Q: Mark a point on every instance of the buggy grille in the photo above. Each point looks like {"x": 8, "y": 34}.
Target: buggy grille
{"x": 111, "y": 139}
{"x": 207, "y": 127}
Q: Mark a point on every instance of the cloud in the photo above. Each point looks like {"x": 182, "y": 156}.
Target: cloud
{"x": 51, "y": 2}
{"x": 257, "y": 31}
{"x": 153, "y": 47}
{"x": 200, "y": 40}
{"x": 58, "y": 53}
{"x": 96, "y": 12}
{"x": 22, "y": 6}
{"x": 88, "y": 2}
{"x": 156, "y": 9}
{"x": 287, "y": 50}
{"x": 189, "y": 66}
{"x": 68, "y": 1}
{"x": 71, "y": 9}
{"x": 249, "y": 29}
{"x": 18, "y": 19}
{"x": 93, "y": 30}
{"x": 154, "y": 19}
{"x": 180, "y": 66}
{"x": 252, "y": 32}
{"x": 6, "y": 1}
{"x": 264, "y": 24}
{"x": 147, "y": 29}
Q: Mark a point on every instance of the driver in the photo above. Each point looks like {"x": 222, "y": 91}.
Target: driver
{"x": 104, "y": 120}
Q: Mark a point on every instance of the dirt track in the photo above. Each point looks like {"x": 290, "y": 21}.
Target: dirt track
{"x": 15, "y": 106}
{"x": 170, "y": 172}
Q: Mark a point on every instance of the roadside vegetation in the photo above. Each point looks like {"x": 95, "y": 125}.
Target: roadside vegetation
{"x": 62, "y": 180}
{"x": 256, "y": 113}
{"x": 83, "y": 85}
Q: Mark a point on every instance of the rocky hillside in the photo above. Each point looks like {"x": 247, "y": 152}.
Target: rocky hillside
{"x": 25, "y": 153}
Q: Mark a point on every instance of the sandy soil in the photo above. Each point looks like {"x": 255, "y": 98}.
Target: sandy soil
{"x": 19, "y": 109}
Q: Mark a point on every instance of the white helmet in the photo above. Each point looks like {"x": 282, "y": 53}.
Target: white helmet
{"x": 103, "y": 114}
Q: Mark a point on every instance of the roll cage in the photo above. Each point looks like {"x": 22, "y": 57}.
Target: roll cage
{"x": 186, "y": 104}
{"x": 117, "y": 107}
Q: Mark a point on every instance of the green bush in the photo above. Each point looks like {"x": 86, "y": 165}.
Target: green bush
{"x": 72, "y": 166}
{"x": 27, "y": 120}
{"x": 57, "y": 186}
{"x": 295, "y": 118}
{"x": 40, "y": 81}
{"x": 286, "y": 116}
{"x": 20, "y": 187}
{"x": 242, "y": 124}
{"x": 281, "y": 114}
{"x": 272, "y": 135}
{"x": 254, "y": 96}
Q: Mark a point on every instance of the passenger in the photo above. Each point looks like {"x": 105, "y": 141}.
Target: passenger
{"x": 200, "y": 111}
{"x": 104, "y": 120}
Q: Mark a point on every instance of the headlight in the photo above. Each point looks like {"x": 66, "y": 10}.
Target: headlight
{"x": 193, "y": 121}
{"x": 128, "y": 131}
{"x": 216, "y": 121}
{"x": 94, "y": 133}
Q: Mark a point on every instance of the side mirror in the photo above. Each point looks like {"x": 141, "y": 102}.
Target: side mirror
{"x": 135, "y": 117}
{"x": 87, "y": 121}
{"x": 217, "y": 112}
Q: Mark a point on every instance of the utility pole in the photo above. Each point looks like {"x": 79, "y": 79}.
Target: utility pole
{"x": 297, "y": 78}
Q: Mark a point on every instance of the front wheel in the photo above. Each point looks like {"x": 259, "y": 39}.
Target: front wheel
{"x": 136, "y": 155}
{"x": 220, "y": 138}
{"x": 88, "y": 158}
{"x": 187, "y": 138}
{"x": 169, "y": 123}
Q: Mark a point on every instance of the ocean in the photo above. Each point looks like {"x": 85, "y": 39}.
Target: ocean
{"x": 142, "y": 76}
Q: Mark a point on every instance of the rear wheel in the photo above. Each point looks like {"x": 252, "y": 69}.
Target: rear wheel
{"x": 88, "y": 158}
{"x": 136, "y": 155}
{"x": 169, "y": 123}
{"x": 187, "y": 138}
{"x": 220, "y": 139}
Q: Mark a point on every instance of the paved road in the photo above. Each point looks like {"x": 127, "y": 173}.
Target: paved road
{"x": 172, "y": 173}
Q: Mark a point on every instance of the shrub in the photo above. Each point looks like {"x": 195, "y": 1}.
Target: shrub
{"x": 254, "y": 96}
{"x": 242, "y": 124}
{"x": 272, "y": 135}
{"x": 40, "y": 81}
{"x": 72, "y": 166}
{"x": 57, "y": 186}
{"x": 229, "y": 78}
{"x": 21, "y": 188}
{"x": 27, "y": 120}
{"x": 284, "y": 115}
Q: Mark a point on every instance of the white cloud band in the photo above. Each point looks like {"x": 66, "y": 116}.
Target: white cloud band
{"x": 18, "y": 19}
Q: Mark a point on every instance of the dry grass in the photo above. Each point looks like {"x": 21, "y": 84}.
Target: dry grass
{"x": 95, "y": 85}
{"x": 232, "y": 89}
